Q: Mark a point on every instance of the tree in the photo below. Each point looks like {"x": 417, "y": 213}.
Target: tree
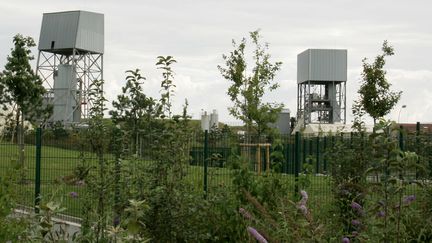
{"x": 21, "y": 89}
{"x": 133, "y": 109}
{"x": 164, "y": 63}
{"x": 247, "y": 90}
{"x": 375, "y": 95}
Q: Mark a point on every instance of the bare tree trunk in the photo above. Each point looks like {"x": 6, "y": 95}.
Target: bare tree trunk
{"x": 17, "y": 118}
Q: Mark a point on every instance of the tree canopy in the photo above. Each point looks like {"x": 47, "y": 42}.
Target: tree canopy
{"x": 247, "y": 90}
{"x": 20, "y": 87}
{"x": 376, "y": 98}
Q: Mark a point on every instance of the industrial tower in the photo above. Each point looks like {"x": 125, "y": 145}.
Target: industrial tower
{"x": 321, "y": 86}
{"x": 71, "y": 47}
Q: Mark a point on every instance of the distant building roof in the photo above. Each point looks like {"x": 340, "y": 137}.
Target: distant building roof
{"x": 315, "y": 129}
{"x": 412, "y": 127}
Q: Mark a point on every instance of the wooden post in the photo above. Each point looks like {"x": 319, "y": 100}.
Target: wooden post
{"x": 268, "y": 158}
{"x": 258, "y": 155}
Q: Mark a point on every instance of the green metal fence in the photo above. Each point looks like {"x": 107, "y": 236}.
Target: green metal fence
{"x": 53, "y": 167}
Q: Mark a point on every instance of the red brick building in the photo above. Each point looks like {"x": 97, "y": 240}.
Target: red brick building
{"x": 412, "y": 127}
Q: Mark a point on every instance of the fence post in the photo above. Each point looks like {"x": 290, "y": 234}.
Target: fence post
{"x": 310, "y": 150}
{"x": 304, "y": 150}
{"x": 38, "y": 168}
{"x": 296, "y": 163}
{"x": 287, "y": 152}
{"x": 206, "y": 155}
{"x": 317, "y": 155}
{"x": 325, "y": 156}
{"x": 293, "y": 157}
{"x": 401, "y": 139}
{"x": 417, "y": 146}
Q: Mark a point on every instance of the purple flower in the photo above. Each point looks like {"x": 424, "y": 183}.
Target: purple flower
{"x": 303, "y": 209}
{"x": 409, "y": 199}
{"x": 73, "y": 194}
{"x": 245, "y": 214}
{"x": 381, "y": 214}
{"x": 304, "y": 194}
{"x": 116, "y": 221}
{"x": 356, "y": 206}
{"x": 355, "y": 222}
{"x": 304, "y": 198}
{"x": 345, "y": 240}
{"x": 256, "y": 235}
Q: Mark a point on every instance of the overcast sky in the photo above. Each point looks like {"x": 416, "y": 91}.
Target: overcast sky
{"x": 197, "y": 33}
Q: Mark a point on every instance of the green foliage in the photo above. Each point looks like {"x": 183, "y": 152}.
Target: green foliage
{"x": 304, "y": 180}
{"x": 375, "y": 95}
{"x": 59, "y": 132}
{"x": 277, "y": 156}
{"x": 134, "y": 111}
{"x": 11, "y": 229}
{"x": 393, "y": 168}
{"x": 247, "y": 91}
{"x": 99, "y": 185}
{"x": 20, "y": 87}
{"x": 167, "y": 84}
{"x": 21, "y": 92}
{"x": 166, "y": 194}
{"x": 349, "y": 161}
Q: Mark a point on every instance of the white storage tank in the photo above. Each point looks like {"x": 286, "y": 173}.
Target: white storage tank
{"x": 214, "y": 120}
{"x": 282, "y": 124}
{"x": 65, "y": 101}
{"x": 205, "y": 121}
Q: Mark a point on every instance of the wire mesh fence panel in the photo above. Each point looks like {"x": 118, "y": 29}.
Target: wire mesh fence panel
{"x": 195, "y": 167}
{"x": 67, "y": 161}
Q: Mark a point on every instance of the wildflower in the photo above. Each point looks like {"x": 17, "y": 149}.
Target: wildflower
{"x": 409, "y": 199}
{"x": 304, "y": 194}
{"x": 354, "y": 233}
{"x": 381, "y": 214}
{"x": 245, "y": 214}
{"x": 303, "y": 209}
{"x": 304, "y": 198}
{"x": 116, "y": 221}
{"x": 356, "y": 206}
{"x": 355, "y": 222}
{"x": 256, "y": 235}
{"x": 73, "y": 194}
{"x": 80, "y": 183}
{"x": 345, "y": 240}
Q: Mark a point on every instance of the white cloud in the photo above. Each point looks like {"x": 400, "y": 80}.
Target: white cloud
{"x": 197, "y": 33}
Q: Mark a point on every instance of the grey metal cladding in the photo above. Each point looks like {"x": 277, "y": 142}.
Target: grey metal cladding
{"x": 60, "y": 28}
{"x": 73, "y": 29}
{"x": 322, "y": 65}
{"x": 90, "y": 35}
{"x": 303, "y": 66}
